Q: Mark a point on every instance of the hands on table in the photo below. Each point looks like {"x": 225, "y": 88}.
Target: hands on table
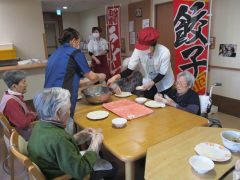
{"x": 166, "y": 100}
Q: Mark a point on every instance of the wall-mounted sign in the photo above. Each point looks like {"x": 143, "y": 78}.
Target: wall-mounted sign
{"x": 191, "y": 40}
{"x": 114, "y": 35}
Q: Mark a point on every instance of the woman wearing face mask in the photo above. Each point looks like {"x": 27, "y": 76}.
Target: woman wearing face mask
{"x": 154, "y": 60}
{"x": 98, "y": 49}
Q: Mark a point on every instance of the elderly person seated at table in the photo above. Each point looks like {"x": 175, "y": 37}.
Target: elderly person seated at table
{"x": 183, "y": 97}
{"x": 54, "y": 150}
{"x": 12, "y": 104}
{"x": 129, "y": 83}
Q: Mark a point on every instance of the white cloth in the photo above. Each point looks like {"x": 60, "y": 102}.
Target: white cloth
{"x": 14, "y": 92}
{"x": 97, "y": 47}
{"x": 151, "y": 66}
{"x": 204, "y": 103}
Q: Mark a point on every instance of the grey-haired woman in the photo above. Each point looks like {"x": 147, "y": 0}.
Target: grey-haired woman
{"x": 52, "y": 148}
{"x": 182, "y": 97}
{"x": 12, "y": 104}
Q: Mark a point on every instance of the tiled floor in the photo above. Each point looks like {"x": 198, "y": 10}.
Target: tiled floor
{"x": 227, "y": 122}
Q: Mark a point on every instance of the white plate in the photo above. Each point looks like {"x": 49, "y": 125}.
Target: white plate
{"x": 95, "y": 115}
{"x": 213, "y": 151}
{"x": 154, "y": 104}
{"x": 123, "y": 94}
{"x": 201, "y": 164}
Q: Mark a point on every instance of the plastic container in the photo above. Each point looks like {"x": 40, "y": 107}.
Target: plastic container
{"x": 8, "y": 54}
{"x": 6, "y": 46}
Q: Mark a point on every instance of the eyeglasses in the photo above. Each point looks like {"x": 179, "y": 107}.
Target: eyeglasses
{"x": 181, "y": 84}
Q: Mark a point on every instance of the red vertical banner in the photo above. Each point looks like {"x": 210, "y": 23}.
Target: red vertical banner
{"x": 114, "y": 38}
{"x": 191, "y": 39}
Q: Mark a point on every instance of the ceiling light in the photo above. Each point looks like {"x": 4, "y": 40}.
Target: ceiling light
{"x": 64, "y": 7}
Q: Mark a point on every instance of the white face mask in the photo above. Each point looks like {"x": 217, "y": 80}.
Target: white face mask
{"x": 95, "y": 35}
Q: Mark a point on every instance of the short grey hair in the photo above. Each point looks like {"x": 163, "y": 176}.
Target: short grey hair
{"x": 13, "y": 77}
{"x": 50, "y": 100}
{"x": 189, "y": 77}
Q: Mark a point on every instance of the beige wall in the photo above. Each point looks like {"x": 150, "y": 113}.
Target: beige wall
{"x": 72, "y": 20}
{"x": 84, "y": 21}
{"x": 35, "y": 80}
{"x": 225, "y": 27}
{"x": 22, "y": 24}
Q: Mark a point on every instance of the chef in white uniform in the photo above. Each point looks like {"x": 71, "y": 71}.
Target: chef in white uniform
{"x": 154, "y": 62}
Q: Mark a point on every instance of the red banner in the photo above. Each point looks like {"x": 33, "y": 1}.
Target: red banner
{"x": 191, "y": 39}
{"x": 114, "y": 36}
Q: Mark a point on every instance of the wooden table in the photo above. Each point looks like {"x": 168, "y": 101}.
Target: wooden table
{"x": 130, "y": 143}
{"x": 169, "y": 159}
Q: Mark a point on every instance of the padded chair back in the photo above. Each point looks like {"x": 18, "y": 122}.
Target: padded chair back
{"x": 18, "y": 148}
{"x": 7, "y": 128}
{"x": 7, "y": 131}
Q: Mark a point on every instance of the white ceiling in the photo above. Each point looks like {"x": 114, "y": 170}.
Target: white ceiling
{"x": 73, "y": 5}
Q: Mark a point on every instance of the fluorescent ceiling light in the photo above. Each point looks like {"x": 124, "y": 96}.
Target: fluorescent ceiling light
{"x": 64, "y": 7}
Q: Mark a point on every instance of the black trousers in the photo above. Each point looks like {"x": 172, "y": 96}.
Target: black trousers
{"x": 105, "y": 174}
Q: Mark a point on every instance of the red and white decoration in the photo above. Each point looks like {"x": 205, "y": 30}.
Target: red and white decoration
{"x": 114, "y": 36}
{"x": 191, "y": 39}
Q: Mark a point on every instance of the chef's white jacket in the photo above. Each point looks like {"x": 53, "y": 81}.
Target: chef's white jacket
{"x": 150, "y": 67}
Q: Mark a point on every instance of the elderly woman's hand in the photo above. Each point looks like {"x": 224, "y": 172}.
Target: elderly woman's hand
{"x": 158, "y": 97}
{"x": 83, "y": 136}
{"x": 170, "y": 102}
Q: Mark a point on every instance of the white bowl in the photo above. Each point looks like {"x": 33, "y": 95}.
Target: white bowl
{"x": 201, "y": 164}
{"x": 119, "y": 122}
{"x": 141, "y": 100}
{"x": 231, "y": 140}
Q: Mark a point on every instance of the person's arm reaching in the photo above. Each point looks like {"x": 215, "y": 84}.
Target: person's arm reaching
{"x": 158, "y": 78}
{"x": 95, "y": 76}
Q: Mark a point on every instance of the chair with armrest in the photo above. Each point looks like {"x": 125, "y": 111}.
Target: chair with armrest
{"x": 17, "y": 146}
{"x": 7, "y": 131}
